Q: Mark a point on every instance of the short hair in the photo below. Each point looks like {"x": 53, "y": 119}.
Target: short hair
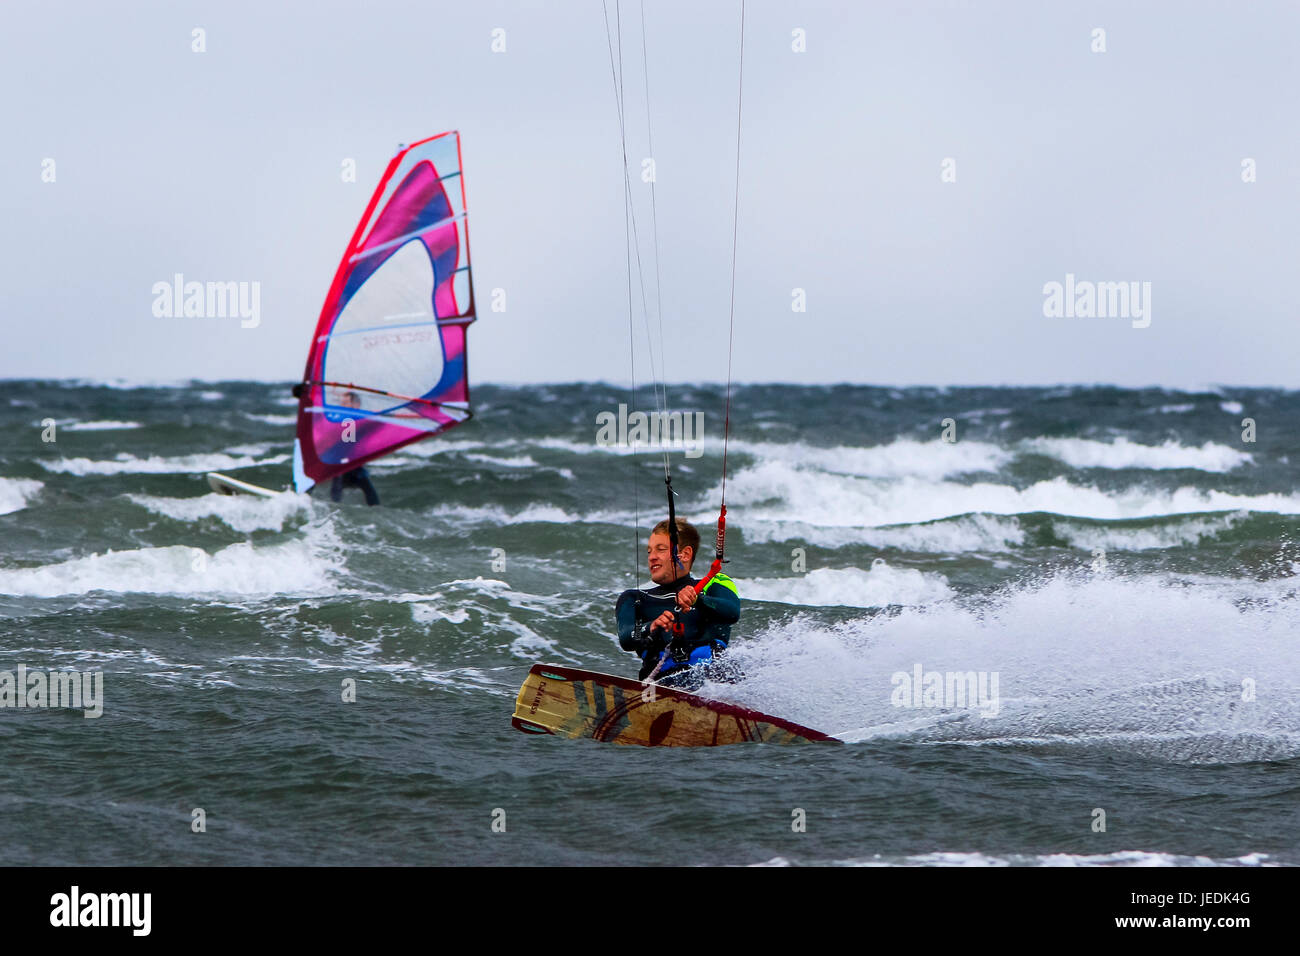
{"x": 687, "y": 536}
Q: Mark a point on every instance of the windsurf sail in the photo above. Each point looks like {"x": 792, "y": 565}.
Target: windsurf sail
{"x": 568, "y": 702}
{"x": 387, "y": 362}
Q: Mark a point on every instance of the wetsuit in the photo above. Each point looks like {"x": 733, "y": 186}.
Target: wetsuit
{"x": 706, "y": 629}
{"x": 356, "y": 478}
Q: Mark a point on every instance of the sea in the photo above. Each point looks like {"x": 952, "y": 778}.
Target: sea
{"x": 1053, "y": 626}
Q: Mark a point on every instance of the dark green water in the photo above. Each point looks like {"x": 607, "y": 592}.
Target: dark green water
{"x": 1121, "y": 560}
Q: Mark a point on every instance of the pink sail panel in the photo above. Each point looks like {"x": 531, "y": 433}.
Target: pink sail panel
{"x": 387, "y": 363}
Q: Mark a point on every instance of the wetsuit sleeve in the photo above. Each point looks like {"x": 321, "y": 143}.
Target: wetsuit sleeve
{"x": 722, "y": 603}
{"x": 625, "y": 613}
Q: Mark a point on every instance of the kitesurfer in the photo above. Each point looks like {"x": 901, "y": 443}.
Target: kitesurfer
{"x": 693, "y": 628}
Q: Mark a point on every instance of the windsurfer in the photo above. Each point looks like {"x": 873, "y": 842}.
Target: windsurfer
{"x": 357, "y": 477}
{"x": 693, "y": 628}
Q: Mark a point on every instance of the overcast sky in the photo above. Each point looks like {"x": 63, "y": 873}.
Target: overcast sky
{"x": 225, "y": 165}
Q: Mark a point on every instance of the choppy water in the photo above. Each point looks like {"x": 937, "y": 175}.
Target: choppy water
{"x": 1121, "y": 560}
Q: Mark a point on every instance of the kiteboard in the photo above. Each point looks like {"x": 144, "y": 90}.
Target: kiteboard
{"x": 568, "y": 702}
{"x": 225, "y": 485}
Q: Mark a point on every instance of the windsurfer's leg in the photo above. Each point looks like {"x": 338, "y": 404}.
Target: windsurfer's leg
{"x": 367, "y": 489}
{"x": 336, "y": 488}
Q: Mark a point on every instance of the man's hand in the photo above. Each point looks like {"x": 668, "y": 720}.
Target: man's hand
{"x": 666, "y": 620}
{"x": 686, "y": 597}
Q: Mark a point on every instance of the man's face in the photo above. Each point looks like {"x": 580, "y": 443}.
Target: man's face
{"x": 659, "y": 555}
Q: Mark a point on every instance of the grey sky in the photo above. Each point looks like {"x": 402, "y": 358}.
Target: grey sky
{"x": 225, "y": 165}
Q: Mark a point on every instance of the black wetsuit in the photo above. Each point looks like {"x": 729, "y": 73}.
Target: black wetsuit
{"x": 705, "y": 628}
{"x": 356, "y": 478}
